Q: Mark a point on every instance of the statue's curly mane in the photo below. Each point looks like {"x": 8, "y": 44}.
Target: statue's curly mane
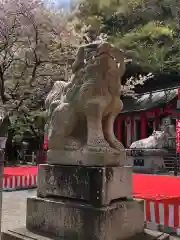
{"x": 55, "y": 93}
{"x": 82, "y": 82}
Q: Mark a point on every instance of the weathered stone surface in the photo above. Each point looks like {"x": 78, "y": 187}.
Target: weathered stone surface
{"x": 151, "y": 235}
{"x": 147, "y": 160}
{"x": 82, "y": 111}
{"x": 24, "y": 234}
{"x": 146, "y": 152}
{"x": 72, "y": 220}
{"x": 148, "y": 164}
{"x": 95, "y": 185}
{"x": 87, "y": 158}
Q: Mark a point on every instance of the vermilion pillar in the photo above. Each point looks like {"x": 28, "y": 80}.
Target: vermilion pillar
{"x": 156, "y": 120}
{"x": 45, "y": 145}
{"x": 132, "y": 129}
{"x": 178, "y": 93}
{"x": 143, "y": 125}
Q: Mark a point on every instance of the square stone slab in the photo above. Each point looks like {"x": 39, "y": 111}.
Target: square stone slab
{"x": 88, "y": 158}
{"x": 97, "y": 186}
{"x": 76, "y": 221}
{"x": 24, "y": 234}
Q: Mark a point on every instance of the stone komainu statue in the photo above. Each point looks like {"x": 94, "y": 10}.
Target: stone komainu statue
{"x": 156, "y": 140}
{"x": 81, "y": 112}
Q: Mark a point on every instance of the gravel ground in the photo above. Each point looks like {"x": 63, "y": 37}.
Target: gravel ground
{"x": 14, "y": 209}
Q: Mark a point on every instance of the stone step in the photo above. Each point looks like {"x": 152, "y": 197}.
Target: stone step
{"x": 24, "y": 234}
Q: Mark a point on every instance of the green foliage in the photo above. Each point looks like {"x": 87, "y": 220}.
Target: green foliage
{"x": 148, "y": 28}
{"x": 150, "y": 33}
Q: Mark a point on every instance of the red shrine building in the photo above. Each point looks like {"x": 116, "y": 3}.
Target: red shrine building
{"x": 155, "y": 100}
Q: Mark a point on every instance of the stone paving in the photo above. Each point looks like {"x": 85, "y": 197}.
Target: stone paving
{"x": 14, "y": 209}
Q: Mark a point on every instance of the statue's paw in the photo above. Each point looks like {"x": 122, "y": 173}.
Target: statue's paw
{"x": 100, "y": 145}
{"x": 102, "y": 149}
{"x": 98, "y": 142}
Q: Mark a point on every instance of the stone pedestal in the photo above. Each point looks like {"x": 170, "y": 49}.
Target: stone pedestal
{"x": 97, "y": 186}
{"x": 83, "y": 203}
{"x": 78, "y": 202}
{"x": 24, "y": 234}
{"x": 68, "y": 219}
{"x": 147, "y": 160}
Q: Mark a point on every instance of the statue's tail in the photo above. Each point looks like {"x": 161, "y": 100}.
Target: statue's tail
{"x": 114, "y": 142}
{"x": 52, "y": 100}
{"x": 56, "y": 93}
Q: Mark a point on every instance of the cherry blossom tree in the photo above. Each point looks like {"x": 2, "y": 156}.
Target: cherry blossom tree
{"x": 36, "y": 48}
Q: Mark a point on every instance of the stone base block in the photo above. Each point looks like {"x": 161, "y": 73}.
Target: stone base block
{"x": 24, "y": 234}
{"x": 87, "y": 158}
{"x": 97, "y": 186}
{"x": 70, "y": 220}
{"x": 148, "y": 164}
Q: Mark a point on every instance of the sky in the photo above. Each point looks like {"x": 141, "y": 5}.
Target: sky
{"x": 60, "y": 3}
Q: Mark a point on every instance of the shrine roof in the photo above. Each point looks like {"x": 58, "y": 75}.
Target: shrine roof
{"x": 148, "y": 101}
